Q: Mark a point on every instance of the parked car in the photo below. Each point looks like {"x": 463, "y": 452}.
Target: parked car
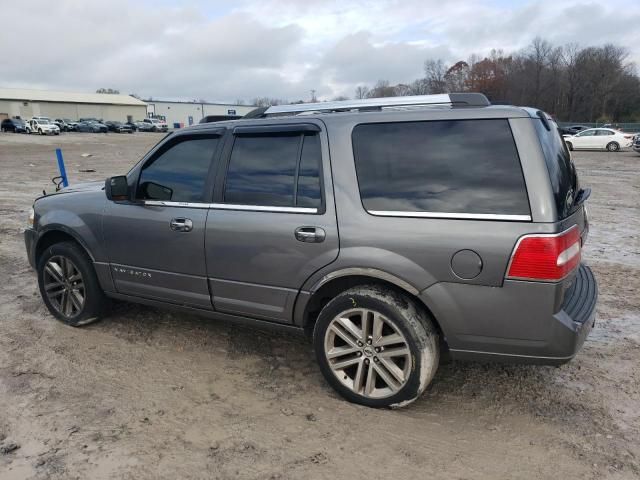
{"x": 91, "y": 127}
{"x": 363, "y": 228}
{"x": 71, "y": 124}
{"x": 132, "y": 125}
{"x": 15, "y": 125}
{"x": 118, "y": 127}
{"x": 636, "y": 143}
{"x": 43, "y": 126}
{"x": 572, "y": 130}
{"x": 160, "y": 125}
{"x": 64, "y": 124}
{"x": 599, "y": 139}
{"x": 146, "y": 127}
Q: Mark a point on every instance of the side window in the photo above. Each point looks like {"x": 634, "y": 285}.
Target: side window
{"x": 440, "y": 167}
{"x": 587, "y": 133}
{"x": 280, "y": 170}
{"x": 602, "y": 133}
{"x": 179, "y": 173}
{"x": 308, "y": 194}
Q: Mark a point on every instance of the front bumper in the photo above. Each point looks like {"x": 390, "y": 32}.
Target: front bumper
{"x": 30, "y": 240}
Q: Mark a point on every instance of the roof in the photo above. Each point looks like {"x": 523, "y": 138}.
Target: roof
{"x": 67, "y": 97}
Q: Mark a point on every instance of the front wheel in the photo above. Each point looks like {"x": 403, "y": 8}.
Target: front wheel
{"x": 40, "y": 132}
{"x": 376, "y": 347}
{"x": 69, "y": 285}
{"x": 570, "y": 146}
{"x": 613, "y": 147}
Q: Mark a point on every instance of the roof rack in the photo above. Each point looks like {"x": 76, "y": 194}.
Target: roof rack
{"x": 453, "y": 99}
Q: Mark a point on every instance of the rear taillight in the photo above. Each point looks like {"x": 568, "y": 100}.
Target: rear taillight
{"x": 544, "y": 257}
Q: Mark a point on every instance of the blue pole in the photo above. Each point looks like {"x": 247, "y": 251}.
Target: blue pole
{"x": 63, "y": 172}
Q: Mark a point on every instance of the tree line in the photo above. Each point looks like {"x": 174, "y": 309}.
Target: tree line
{"x": 570, "y": 82}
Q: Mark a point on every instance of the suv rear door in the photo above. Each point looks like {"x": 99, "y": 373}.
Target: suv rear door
{"x": 273, "y": 220}
{"x": 155, "y": 243}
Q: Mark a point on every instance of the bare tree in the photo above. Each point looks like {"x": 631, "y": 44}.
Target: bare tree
{"x": 434, "y": 74}
{"x": 362, "y": 91}
{"x": 382, "y": 89}
{"x": 402, "y": 90}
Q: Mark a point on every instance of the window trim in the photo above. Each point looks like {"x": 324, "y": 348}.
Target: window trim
{"x": 230, "y": 206}
{"x": 445, "y": 215}
{"x": 270, "y": 130}
{"x": 171, "y": 142}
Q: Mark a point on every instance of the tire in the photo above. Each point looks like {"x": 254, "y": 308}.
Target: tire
{"x": 613, "y": 147}
{"x": 570, "y": 146}
{"x": 69, "y": 286}
{"x": 366, "y": 378}
{"x": 40, "y": 131}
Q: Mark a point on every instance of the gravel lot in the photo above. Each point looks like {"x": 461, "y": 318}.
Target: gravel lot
{"x": 151, "y": 394}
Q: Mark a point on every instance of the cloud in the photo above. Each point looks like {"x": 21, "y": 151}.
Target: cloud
{"x": 222, "y": 51}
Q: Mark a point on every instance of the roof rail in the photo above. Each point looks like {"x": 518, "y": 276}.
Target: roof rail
{"x": 455, "y": 99}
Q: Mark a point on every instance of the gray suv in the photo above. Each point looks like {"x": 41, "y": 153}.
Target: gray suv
{"x": 392, "y": 231}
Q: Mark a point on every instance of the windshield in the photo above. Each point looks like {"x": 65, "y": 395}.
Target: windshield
{"x": 562, "y": 172}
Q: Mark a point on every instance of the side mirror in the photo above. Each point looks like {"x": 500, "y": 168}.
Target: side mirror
{"x": 117, "y": 188}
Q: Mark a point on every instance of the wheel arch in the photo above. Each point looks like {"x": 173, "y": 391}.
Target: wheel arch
{"x": 337, "y": 282}
{"x": 59, "y": 233}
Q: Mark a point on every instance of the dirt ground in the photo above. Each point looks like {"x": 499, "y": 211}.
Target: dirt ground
{"x": 151, "y": 394}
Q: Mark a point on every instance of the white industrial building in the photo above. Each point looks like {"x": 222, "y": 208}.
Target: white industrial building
{"x": 183, "y": 114}
{"x": 23, "y": 103}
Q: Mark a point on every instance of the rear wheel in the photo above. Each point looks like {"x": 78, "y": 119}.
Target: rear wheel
{"x": 376, "y": 347}
{"x": 613, "y": 146}
{"x": 69, "y": 285}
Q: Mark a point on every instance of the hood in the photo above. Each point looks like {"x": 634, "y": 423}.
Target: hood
{"x": 76, "y": 188}
{"x": 83, "y": 187}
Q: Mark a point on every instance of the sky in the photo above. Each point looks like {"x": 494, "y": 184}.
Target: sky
{"x": 227, "y": 50}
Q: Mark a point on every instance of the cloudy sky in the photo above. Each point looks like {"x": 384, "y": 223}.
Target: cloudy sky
{"x": 227, "y": 50}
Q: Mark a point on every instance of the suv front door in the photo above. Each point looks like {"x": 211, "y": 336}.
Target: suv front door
{"x": 273, "y": 221}
{"x": 155, "y": 243}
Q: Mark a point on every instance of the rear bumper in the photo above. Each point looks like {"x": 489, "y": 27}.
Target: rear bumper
{"x": 30, "y": 240}
{"x": 516, "y": 323}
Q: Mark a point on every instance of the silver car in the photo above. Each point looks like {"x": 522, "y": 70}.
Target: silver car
{"x": 392, "y": 231}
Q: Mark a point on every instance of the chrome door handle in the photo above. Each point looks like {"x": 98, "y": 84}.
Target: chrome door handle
{"x": 310, "y": 234}
{"x": 181, "y": 224}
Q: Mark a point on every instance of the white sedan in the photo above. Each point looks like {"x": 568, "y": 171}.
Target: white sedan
{"x": 599, "y": 139}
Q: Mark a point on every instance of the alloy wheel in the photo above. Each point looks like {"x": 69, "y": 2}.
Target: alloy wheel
{"x": 64, "y": 286}
{"x": 368, "y": 353}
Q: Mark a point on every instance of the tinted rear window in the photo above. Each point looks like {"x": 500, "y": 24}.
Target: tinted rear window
{"x": 562, "y": 173}
{"x": 451, "y": 166}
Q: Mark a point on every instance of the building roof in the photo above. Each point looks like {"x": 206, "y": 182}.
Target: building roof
{"x": 67, "y": 97}
{"x": 153, "y": 100}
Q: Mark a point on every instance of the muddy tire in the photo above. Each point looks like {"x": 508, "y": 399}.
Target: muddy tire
{"x": 376, "y": 347}
{"x": 69, "y": 286}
